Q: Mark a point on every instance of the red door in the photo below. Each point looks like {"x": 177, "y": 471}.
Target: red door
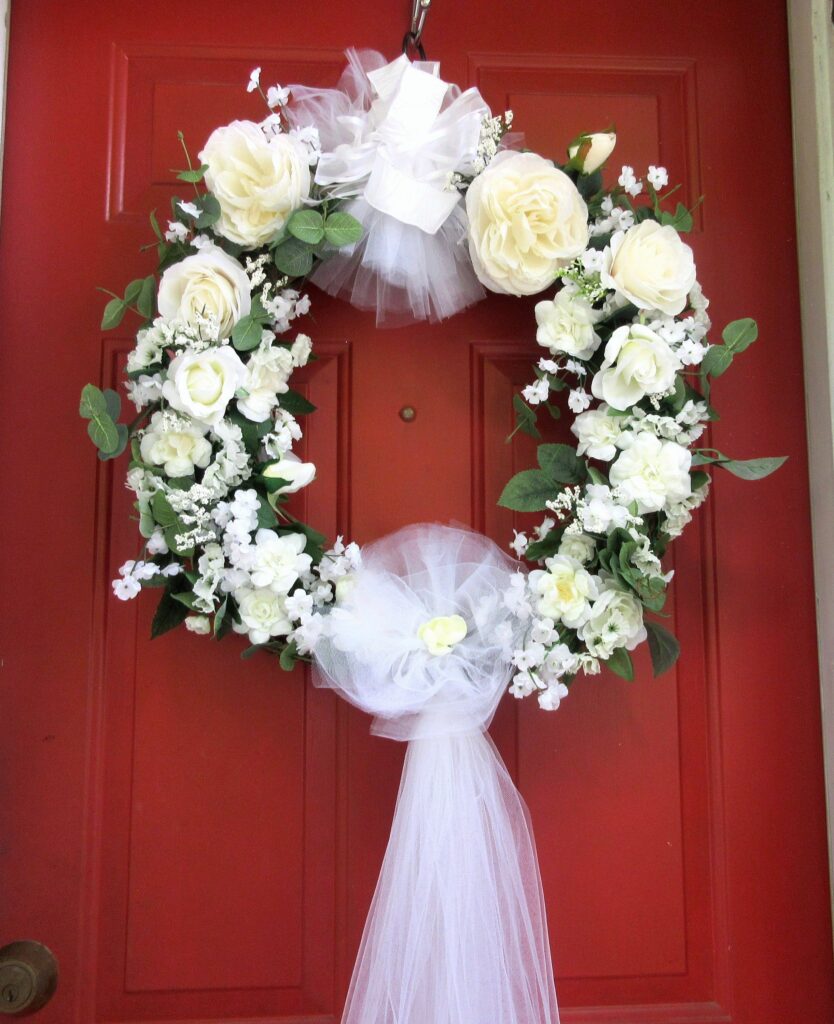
{"x": 197, "y": 838}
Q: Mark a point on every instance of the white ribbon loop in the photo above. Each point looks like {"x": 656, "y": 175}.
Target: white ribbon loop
{"x": 457, "y": 932}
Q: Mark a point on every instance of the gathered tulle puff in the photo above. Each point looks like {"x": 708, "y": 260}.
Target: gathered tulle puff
{"x": 392, "y": 136}
{"x": 457, "y": 932}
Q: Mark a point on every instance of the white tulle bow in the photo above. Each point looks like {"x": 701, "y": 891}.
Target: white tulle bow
{"x": 403, "y": 150}
{"x": 457, "y": 932}
{"x": 392, "y": 135}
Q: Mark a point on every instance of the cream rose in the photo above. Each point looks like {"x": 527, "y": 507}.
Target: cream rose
{"x": 650, "y": 266}
{"x": 600, "y": 147}
{"x": 526, "y": 220}
{"x": 263, "y": 614}
{"x": 564, "y": 591}
{"x": 289, "y": 467}
{"x": 566, "y": 325}
{"x": 209, "y": 284}
{"x": 597, "y": 433}
{"x": 638, "y": 362}
{"x": 616, "y": 620}
{"x": 578, "y": 546}
{"x": 258, "y": 180}
{"x": 202, "y": 384}
{"x": 175, "y": 444}
{"x": 653, "y": 473}
{"x": 442, "y": 633}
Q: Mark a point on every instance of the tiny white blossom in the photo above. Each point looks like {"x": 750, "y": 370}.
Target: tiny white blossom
{"x": 536, "y": 393}
{"x": 177, "y": 231}
{"x": 658, "y": 178}
{"x": 519, "y": 543}
{"x": 629, "y": 182}
{"x": 276, "y": 96}
{"x": 254, "y": 80}
{"x": 189, "y": 208}
{"x": 578, "y": 401}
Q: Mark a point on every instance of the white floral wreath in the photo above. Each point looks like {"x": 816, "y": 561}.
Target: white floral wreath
{"x": 419, "y": 199}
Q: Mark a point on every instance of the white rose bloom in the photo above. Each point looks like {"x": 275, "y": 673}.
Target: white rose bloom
{"x": 289, "y": 467}
{"x": 263, "y": 614}
{"x": 442, "y": 633}
{"x": 526, "y": 220}
{"x": 638, "y": 362}
{"x": 650, "y": 266}
{"x": 564, "y": 591}
{"x": 601, "y": 147}
{"x": 616, "y": 620}
{"x": 267, "y": 372}
{"x": 566, "y": 325}
{"x": 597, "y": 433}
{"x": 258, "y": 180}
{"x": 176, "y": 444}
{"x": 578, "y": 546}
{"x": 653, "y": 473}
{"x": 279, "y": 560}
{"x": 209, "y": 285}
{"x": 202, "y": 384}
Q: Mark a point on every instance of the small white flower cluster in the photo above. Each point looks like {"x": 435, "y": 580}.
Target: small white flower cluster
{"x": 493, "y": 130}
{"x": 133, "y": 573}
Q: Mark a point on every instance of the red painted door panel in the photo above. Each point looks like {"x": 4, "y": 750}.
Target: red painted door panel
{"x": 197, "y": 838}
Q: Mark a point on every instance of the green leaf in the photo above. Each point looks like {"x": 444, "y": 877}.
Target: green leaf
{"x": 113, "y": 403}
{"x": 307, "y": 226}
{"x": 92, "y": 402}
{"x": 246, "y": 334}
{"x": 621, "y": 664}
{"x": 293, "y": 258}
{"x": 663, "y": 647}
{"x": 103, "y": 432}
{"x": 113, "y": 314}
{"x": 528, "y": 491}
{"x": 121, "y": 444}
{"x": 717, "y": 360}
{"x": 162, "y": 511}
{"x": 209, "y": 209}
{"x": 740, "y": 334}
{"x": 544, "y": 548}
{"x": 288, "y": 657}
{"x": 169, "y": 614}
{"x": 753, "y": 469}
{"x": 194, "y": 175}
{"x": 185, "y": 597}
{"x": 147, "y": 296}
{"x": 132, "y": 291}
{"x": 155, "y": 226}
{"x": 266, "y": 516}
{"x": 341, "y": 229}
{"x": 589, "y": 184}
{"x": 561, "y": 463}
{"x": 680, "y": 220}
{"x": 295, "y": 403}
{"x": 596, "y": 476}
{"x": 525, "y": 418}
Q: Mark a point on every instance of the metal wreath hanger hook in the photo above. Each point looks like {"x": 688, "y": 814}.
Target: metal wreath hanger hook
{"x": 413, "y": 38}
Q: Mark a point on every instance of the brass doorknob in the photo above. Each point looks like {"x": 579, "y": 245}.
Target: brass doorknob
{"x": 28, "y": 978}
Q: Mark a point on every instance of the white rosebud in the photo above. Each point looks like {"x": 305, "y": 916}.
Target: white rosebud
{"x": 290, "y": 468}
{"x": 601, "y": 147}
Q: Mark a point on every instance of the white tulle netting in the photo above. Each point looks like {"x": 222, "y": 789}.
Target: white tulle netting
{"x": 457, "y": 932}
{"x": 392, "y": 135}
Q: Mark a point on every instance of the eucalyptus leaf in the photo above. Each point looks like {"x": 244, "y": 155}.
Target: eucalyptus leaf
{"x": 132, "y": 291}
{"x": 307, "y": 226}
{"x": 753, "y": 469}
{"x": 121, "y": 444}
{"x": 717, "y": 360}
{"x": 209, "y": 209}
{"x": 147, "y": 296}
{"x": 113, "y": 314}
{"x": 740, "y": 334}
{"x": 341, "y": 229}
{"x": 247, "y": 333}
{"x": 112, "y": 402}
{"x": 293, "y": 258}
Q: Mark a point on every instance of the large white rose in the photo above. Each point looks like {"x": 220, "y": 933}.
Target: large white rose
{"x": 258, "y": 180}
{"x": 638, "y": 362}
{"x": 267, "y": 372}
{"x": 650, "y": 266}
{"x": 597, "y": 433}
{"x": 209, "y": 284}
{"x": 653, "y": 473}
{"x": 289, "y": 467}
{"x": 526, "y": 220}
{"x": 566, "y": 325}
{"x": 175, "y": 444}
{"x": 202, "y": 384}
{"x": 615, "y": 620}
{"x": 263, "y": 614}
{"x": 564, "y": 591}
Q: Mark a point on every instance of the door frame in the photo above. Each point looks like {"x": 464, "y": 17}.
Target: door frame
{"x": 811, "y": 54}
{"x": 811, "y": 38}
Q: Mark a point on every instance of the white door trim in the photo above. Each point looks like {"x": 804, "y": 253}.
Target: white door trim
{"x": 812, "y": 88}
{"x": 5, "y": 14}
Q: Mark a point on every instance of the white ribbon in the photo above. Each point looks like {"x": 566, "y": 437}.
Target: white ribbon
{"x": 457, "y": 932}
{"x": 401, "y": 151}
